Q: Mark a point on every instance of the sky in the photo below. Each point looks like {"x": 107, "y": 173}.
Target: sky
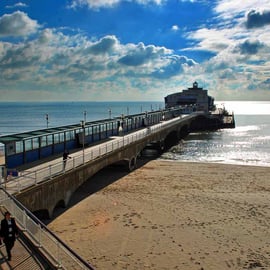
{"x": 133, "y": 50}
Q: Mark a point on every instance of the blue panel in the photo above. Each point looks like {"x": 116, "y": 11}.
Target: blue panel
{"x": 32, "y": 155}
{"x": 103, "y": 135}
{"x": 59, "y": 148}
{"x": 88, "y": 139}
{"x": 46, "y": 151}
{"x": 14, "y": 161}
{"x": 109, "y": 133}
{"x": 96, "y": 137}
{"x": 115, "y": 132}
{"x": 71, "y": 145}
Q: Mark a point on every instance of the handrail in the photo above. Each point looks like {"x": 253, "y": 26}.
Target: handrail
{"x": 33, "y": 227}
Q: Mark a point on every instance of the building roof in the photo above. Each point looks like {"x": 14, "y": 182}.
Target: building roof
{"x": 42, "y": 132}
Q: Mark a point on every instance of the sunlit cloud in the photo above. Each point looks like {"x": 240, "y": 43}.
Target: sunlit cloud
{"x": 175, "y": 28}
{"x": 96, "y": 4}
{"x": 17, "y": 24}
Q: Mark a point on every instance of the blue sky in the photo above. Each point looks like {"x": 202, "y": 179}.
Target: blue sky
{"x": 117, "y": 50}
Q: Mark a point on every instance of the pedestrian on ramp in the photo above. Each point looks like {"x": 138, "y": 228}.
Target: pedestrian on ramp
{"x": 8, "y": 232}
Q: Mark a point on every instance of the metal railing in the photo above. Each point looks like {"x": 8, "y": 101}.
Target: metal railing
{"x": 54, "y": 249}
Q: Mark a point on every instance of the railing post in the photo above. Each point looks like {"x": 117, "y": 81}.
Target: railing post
{"x": 73, "y": 160}
{"x": 39, "y": 236}
{"x": 50, "y": 171}
{"x": 18, "y": 186}
{"x": 24, "y": 220}
{"x": 59, "y": 263}
{"x": 35, "y": 177}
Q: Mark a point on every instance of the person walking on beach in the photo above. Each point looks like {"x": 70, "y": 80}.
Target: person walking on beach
{"x": 8, "y": 232}
{"x": 65, "y": 157}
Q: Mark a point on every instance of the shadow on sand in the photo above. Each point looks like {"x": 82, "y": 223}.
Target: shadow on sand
{"x": 97, "y": 182}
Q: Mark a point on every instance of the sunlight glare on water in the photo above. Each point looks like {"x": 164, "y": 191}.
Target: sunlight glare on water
{"x": 247, "y": 107}
{"x": 247, "y": 144}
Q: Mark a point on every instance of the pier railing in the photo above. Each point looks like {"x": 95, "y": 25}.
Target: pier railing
{"x": 29, "y": 178}
{"x": 56, "y": 252}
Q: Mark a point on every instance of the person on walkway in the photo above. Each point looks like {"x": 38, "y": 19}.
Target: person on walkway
{"x": 65, "y": 157}
{"x": 8, "y": 232}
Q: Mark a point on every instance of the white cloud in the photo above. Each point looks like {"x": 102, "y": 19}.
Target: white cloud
{"x": 241, "y": 45}
{"x": 96, "y": 4}
{"x": 175, "y": 28}
{"x": 54, "y": 62}
{"x": 231, "y": 28}
{"x": 212, "y": 40}
{"x": 20, "y": 5}
{"x": 17, "y": 24}
{"x": 231, "y": 8}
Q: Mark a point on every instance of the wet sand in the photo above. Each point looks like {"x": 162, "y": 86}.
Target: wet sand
{"x": 172, "y": 215}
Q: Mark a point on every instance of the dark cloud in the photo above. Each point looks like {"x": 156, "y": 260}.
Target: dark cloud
{"x": 174, "y": 67}
{"x": 250, "y": 47}
{"x": 257, "y": 19}
{"x": 267, "y": 82}
{"x": 227, "y": 74}
{"x": 18, "y": 57}
{"x": 141, "y": 54}
{"x": 213, "y": 67}
{"x": 104, "y": 45}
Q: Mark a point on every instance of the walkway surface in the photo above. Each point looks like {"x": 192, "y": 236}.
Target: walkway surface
{"x": 22, "y": 258}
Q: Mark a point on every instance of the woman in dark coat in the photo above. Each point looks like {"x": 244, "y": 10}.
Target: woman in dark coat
{"x": 8, "y": 232}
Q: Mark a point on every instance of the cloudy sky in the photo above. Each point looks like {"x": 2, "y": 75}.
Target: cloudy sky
{"x": 104, "y": 50}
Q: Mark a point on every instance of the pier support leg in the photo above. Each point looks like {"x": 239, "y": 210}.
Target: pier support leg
{"x": 132, "y": 164}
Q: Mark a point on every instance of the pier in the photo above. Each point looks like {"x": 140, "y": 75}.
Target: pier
{"x": 40, "y": 182}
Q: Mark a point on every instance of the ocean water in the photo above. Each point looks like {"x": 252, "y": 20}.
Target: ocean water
{"x": 16, "y": 117}
{"x": 247, "y": 144}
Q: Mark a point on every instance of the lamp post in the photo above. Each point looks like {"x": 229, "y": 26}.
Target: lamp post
{"x": 83, "y": 136}
{"x": 47, "y": 119}
{"x": 84, "y": 115}
{"x": 110, "y": 113}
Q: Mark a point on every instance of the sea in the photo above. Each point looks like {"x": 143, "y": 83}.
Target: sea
{"x": 247, "y": 144}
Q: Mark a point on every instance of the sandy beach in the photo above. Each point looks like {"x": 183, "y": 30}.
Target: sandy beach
{"x": 172, "y": 215}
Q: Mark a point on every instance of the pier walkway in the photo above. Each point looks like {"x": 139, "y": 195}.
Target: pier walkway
{"x": 37, "y": 172}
